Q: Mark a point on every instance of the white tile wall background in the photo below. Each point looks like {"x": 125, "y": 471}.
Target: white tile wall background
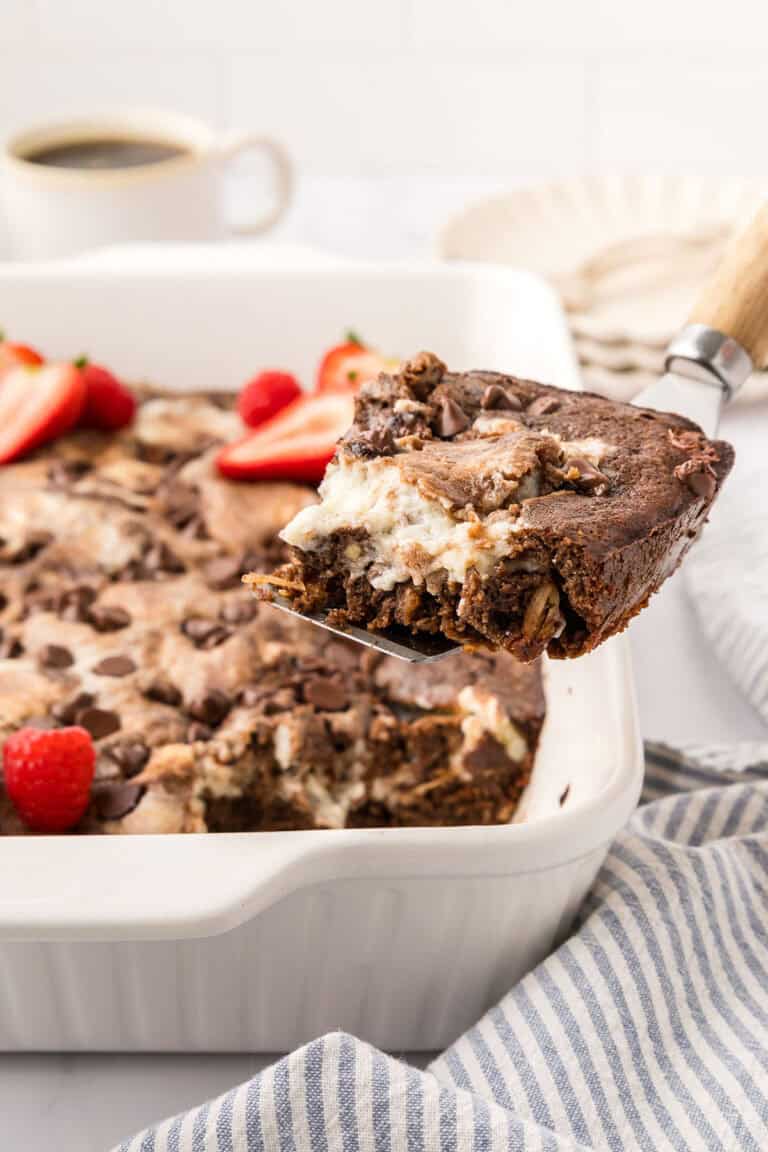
{"x": 402, "y": 108}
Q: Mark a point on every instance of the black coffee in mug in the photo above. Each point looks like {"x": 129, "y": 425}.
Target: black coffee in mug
{"x": 138, "y": 177}
{"x": 105, "y": 153}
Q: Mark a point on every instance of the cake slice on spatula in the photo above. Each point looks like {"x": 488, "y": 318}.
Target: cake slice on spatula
{"x": 481, "y": 510}
{"x": 490, "y": 511}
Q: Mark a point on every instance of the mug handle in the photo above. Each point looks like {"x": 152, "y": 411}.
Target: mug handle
{"x": 283, "y": 178}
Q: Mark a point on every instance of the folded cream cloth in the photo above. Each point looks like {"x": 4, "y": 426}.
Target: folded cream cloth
{"x": 647, "y": 1030}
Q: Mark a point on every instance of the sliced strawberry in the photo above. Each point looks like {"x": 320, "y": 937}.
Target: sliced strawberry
{"x": 37, "y": 404}
{"x": 297, "y": 444}
{"x": 265, "y": 395}
{"x": 13, "y": 355}
{"x": 347, "y": 366}
{"x": 108, "y": 403}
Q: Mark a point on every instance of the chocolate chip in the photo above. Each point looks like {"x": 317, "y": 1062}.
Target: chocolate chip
{"x": 211, "y": 708}
{"x": 37, "y": 600}
{"x": 451, "y": 419}
{"x": 203, "y": 632}
{"x": 98, "y": 721}
{"x": 163, "y": 691}
{"x": 578, "y": 470}
{"x": 499, "y": 398}
{"x": 328, "y": 695}
{"x": 10, "y": 648}
{"x": 129, "y": 755}
{"x": 3, "y": 601}
{"x": 108, "y": 618}
{"x": 114, "y": 800}
{"x": 114, "y": 666}
{"x": 66, "y": 710}
{"x": 543, "y": 406}
{"x": 180, "y": 503}
{"x": 564, "y": 795}
{"x": 197, "y": 627}
{"x": 197, "y": 732}
{"x": 239, "y": 611}
{"x": 195, "y": 529}
{"x": 215, "y": 638}
{"x": 422, "y": 373}
{"x": 33, "y": 544}
{"x": 223, "y": 572}
{"x": 74, "y": 604}
{"x": 154, "y": 453}
{"x": 699, "y": 475}
{"x": 161, "y": 558}
{"x": 376, "y": 441}
{"x": 37, "y": 540}
{"x": 63, "y": 473}
{"x": 55, "y": 656}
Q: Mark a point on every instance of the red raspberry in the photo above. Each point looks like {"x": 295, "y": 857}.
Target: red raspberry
{"x": 265, "y": 395}
{"x": 108, "y": 403}
{"x": 48, "y": 776}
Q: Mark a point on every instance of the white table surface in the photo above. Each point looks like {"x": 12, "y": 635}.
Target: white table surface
{"x": 87, "y": 1103}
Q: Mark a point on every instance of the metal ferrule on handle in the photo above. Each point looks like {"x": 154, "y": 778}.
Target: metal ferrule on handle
{"x": 714, "y": 357}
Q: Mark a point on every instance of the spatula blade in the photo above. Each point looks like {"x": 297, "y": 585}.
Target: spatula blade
{"x": 416, "y": 648}
{"x": 700, "y": 399}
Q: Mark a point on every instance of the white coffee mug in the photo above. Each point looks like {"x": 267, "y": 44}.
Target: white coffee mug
{"x": 58, "y": 211}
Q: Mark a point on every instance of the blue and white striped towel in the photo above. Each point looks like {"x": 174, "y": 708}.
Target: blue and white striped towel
{"x": 647, "y": 1030}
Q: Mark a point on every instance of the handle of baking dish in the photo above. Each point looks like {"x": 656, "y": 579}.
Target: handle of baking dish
{"x": 282, "y": 179}
{"x": 148, "y": 887}
{"x": 130, "y": 888}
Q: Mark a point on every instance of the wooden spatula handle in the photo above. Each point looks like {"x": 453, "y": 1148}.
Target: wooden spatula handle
{"x": 736, "y": 301}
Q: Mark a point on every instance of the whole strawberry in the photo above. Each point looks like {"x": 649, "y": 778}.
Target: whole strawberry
{"x": 48, "y": 776}
{"x": 266, "y": 395}
{"x": 108, "y": 403}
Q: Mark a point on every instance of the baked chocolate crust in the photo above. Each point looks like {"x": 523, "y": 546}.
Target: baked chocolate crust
{"x": 122, "y": 609}
{"x": 572, "y": 509}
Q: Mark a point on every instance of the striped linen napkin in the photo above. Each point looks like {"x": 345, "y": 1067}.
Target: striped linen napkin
{"x": 647, "y": 1030}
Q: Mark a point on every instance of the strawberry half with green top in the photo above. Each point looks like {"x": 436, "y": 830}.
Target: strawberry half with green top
{"x": 297, "y": 444}
{"x": 347, "y": 366}
{"x": 37, "y": 404}
{"x": 14, "y": 355}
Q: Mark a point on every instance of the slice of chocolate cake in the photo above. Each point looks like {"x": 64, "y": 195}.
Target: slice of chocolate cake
{"x": 122, "y": 611}
{"x": 498, "y": 512}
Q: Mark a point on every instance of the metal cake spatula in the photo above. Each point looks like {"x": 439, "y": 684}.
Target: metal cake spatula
{"x": 711, "y": 357}
{"x": 706, "y": 364}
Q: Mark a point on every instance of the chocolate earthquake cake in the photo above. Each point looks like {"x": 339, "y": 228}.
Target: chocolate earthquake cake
{"x": 122, "y": 610}
{"x": 498, "y": 512}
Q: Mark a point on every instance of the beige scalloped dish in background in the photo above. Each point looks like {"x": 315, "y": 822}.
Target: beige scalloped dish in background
{"x": 626, "y": 252}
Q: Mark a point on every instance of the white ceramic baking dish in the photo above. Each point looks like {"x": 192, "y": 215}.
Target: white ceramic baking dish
{"x": 259, "y": 942}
